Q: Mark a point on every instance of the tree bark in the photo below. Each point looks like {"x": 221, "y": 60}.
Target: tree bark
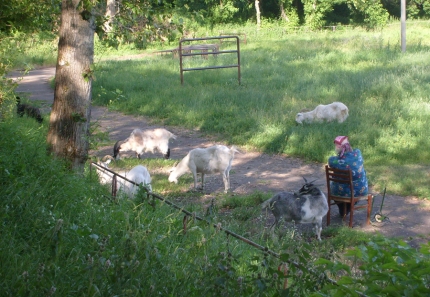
{"x": 110, "y": 14}
{"x": 284, "y": 16}
{"x": 68, "y": 135}
{"x": 258, "y": 14}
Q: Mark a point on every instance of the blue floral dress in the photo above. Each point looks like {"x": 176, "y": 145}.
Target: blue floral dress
{"x": 354, "y": 161}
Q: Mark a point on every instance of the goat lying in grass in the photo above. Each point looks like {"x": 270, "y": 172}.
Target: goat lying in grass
{"x": 336, "y": 111}
{"x": 141, "y": 141}
{"x": 30, "y": 111}
{"x": 308, "y": 205}
{"x": 138, "y": 174}
{"x": 214, "y": 159}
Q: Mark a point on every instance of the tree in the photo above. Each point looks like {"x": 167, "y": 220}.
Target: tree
{"x": 373, "y": 14}
{"x": 110, "y": 14}
{"x": 258, "y": 13}
{"x": 28, "y": 15}
{"x": 68, "y": 135}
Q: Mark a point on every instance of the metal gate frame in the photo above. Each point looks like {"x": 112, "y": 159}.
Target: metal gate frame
{"x": 206, "y": 52}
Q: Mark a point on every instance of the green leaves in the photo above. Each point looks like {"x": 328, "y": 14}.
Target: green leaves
{"x": 387, "y": 268}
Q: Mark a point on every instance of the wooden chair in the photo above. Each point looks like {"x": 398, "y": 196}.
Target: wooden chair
{"x": 345, "y": 177}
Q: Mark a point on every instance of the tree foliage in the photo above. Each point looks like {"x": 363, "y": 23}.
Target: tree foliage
{"x": 371, "y": 13}
{"x": 29, "y": 15}
{"x": 417, "y": 9}
{"x": 142, "y": 22}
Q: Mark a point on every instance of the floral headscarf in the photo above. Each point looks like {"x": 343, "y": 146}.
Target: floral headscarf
{"x": 343, "y": 143}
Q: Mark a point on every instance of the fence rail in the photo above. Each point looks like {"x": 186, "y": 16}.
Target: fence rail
{"x": 187, "y": 51}
{"x": 217, "y": 226}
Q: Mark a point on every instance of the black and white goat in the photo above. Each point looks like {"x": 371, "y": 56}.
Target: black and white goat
{"x": 308, "y": 205}
{"x": 138, "y": 174}
{"x": 26, "y": 109}
{"x": 142, "y": 141}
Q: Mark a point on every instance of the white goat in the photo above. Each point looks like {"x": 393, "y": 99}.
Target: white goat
{"x": 142, "y": 141}
{"x": 308, "y": 205}
{"x": 330, "y": 112}
{"x": 214, "y": 159}
{"x": 138, "y": 174}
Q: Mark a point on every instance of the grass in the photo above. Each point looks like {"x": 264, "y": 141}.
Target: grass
{"x": 60, "y": 234}
{"x": 386, "y": 92}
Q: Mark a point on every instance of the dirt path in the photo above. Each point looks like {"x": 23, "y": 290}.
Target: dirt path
{"x": 408, "y": 217}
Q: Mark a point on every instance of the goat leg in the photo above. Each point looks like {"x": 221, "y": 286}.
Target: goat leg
{"x": 167, "y": 155}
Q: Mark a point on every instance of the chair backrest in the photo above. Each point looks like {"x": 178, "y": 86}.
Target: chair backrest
{"x": 340, "y": 176}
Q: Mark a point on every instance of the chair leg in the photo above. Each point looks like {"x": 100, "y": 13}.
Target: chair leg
{"x": 369, "y": 206}
{"x": 351, "y": 214}
{"x": 328, "y": 213}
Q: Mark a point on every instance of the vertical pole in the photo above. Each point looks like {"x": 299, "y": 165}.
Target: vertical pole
{"x": 403, "y": 23}
{"x": 180, "y": 62}
{"x": 114, "y": 185}
{"x": 238, "y": 57}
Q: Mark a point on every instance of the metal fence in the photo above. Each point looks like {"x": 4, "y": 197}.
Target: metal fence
{"x": 203, "y": 50}
{"x": 151, "y": 196}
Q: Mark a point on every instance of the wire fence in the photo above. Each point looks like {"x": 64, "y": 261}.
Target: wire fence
{"x": 151, "y": 195}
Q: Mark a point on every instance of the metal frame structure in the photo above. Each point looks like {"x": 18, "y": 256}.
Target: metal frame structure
{"x": 185, "y": 51}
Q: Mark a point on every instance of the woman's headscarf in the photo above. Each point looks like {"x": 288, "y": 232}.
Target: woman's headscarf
{"x": 343, "y": 142}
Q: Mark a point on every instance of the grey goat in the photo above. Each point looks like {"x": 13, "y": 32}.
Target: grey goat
{"x": 308, "y": 205}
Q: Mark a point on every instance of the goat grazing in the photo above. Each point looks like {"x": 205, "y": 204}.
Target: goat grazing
{"x": 330, "y": 112}
{"x": 138, "y": 174}
{"x": 214, "y": 159}
{"x": 30, "y": 111}
{"x": 141, "y": 141}
{"x": 308, "y": 205}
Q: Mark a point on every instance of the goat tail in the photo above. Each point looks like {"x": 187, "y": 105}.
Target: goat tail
{"x": 266, "y": 204}
{"x": 234, "y": 149}
{"x": 173, "y": 136}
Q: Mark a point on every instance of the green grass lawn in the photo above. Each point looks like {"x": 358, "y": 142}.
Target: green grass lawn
{"x": 62, "y": 235}
{"x": 386, "y": 91}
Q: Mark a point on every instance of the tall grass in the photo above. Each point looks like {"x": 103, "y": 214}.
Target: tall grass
{"x": 387, "y": 93}
{"x": 62, "y": 236}
{"x": 60, "y": 233}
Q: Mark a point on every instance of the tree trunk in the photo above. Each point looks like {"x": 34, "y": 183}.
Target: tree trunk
{"x": 257, "y": 9}
{"x": 284, "y": 16}
{"x": 110, "y": 14}
{"x": 68, "y": 135}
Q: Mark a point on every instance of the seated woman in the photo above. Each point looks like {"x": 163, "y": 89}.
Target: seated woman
{"x": 347, "y": 158}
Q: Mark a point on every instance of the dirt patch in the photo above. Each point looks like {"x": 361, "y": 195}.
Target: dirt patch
{"x": 251, "y": 171}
